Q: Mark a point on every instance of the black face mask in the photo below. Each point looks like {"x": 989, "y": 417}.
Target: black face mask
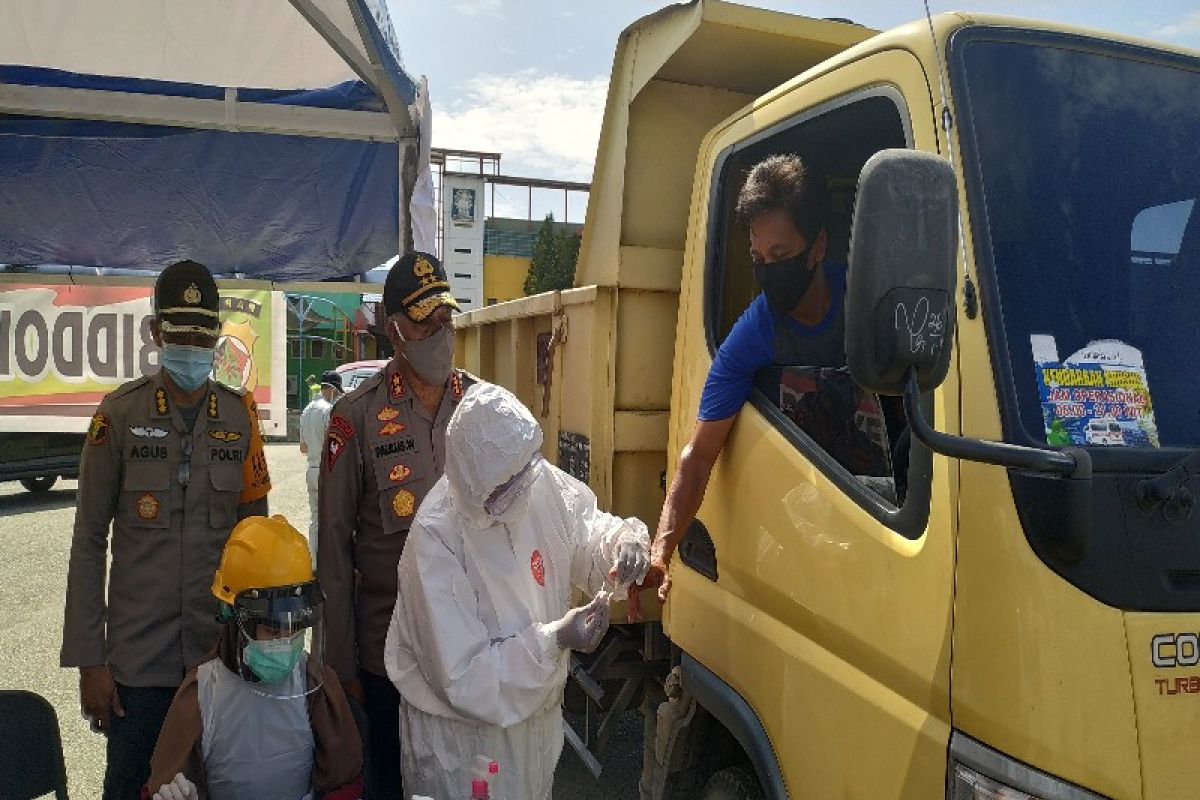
{"x": 785, "y": 282}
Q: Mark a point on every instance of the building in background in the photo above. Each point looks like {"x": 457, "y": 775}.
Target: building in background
{"x": 487, "y": 257}
{"x": 324, "y": 330}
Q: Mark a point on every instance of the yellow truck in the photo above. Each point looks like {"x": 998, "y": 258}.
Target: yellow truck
{"x": 1009, "y": 607}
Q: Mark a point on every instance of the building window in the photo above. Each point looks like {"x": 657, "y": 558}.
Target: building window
{"x": 318, "y": 348}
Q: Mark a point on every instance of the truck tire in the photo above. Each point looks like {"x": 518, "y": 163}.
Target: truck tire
{"x": 40, "y": 484}
{"x": 731, "y": 784}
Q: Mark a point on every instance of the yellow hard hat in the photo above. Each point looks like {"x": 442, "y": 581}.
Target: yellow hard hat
{"x": 262, "y": 553}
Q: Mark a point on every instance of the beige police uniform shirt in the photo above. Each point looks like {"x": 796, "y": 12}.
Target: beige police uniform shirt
{"x": 159, "y": 618}
{"x": 383, "y": 453}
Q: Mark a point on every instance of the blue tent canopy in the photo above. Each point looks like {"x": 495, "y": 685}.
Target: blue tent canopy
{"x": 280, "y": 182}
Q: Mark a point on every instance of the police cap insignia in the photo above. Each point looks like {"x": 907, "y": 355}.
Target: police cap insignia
{"x": 417, "y": 284}
{"x": 186, "y": 299}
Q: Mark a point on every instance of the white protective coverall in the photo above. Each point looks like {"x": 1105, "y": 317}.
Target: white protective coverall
{"x": 472, "y": 646}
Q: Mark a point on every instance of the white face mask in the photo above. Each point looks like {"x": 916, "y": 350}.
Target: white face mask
{"x": 431, "y": 358}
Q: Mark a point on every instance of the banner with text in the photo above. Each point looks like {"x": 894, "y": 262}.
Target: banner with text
{"x": 64, "y": 346}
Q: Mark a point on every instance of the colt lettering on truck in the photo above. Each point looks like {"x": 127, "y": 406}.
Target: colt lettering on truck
{"x": 967, "y": 566}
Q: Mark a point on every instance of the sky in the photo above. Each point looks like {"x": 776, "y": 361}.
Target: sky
{"x": 528, "y": 78}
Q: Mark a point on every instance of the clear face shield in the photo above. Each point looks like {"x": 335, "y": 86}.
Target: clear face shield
{"x": 281, "y": 639}
{"x": 504, "y": 498}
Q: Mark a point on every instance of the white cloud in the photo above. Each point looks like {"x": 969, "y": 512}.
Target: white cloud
{"x": 1188, "y": 26}
{"x": 473, "y": 8}
{"x": 545, "y": 125}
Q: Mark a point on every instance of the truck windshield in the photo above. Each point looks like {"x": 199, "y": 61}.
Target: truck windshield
{"x": 1084, "y": 161}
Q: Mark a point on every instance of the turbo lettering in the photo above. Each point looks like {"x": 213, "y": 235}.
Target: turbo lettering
{"x": 1189, "y": 684}
{"x": 148, "y": 452}
{"x": 393, "y": 448}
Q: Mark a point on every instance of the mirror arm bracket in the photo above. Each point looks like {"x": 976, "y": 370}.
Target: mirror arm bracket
{"x": 1070, "y": 462}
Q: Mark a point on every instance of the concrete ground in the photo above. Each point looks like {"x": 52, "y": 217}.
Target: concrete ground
{"x": 35, "y": 543}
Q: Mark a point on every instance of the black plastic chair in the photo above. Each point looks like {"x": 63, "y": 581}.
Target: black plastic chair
{"x": 31, "y": 754}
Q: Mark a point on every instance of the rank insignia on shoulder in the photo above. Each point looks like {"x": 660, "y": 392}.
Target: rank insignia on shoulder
{"x": 399, "y": 473}
{"x": 147, "y": 507}
{"x": 392, "y": 428}
{"x": 212, "y": 405}
{"x": 396, "y": 387}
{"x": 225, "y": 436}
{"x": 456, "y": 385}
{"x": 98, "y": 429}
{"x": 160, "y": 401}
{"x": 387, "y": 414}
{"x": 404, "y": 503}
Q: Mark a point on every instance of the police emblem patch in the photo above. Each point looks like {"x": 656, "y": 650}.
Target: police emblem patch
{"x": 98, "y": 429}
{"x": 340, "y": 432}
{"x": 392, "y": 428}
{"x": 404, "y": 503}
{"x": 147, "y": 507}
{"x": 399, "y": 473}
{"x": 191, "y": 295}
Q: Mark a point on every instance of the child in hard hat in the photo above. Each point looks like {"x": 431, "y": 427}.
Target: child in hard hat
{"x": 264, "y": 718}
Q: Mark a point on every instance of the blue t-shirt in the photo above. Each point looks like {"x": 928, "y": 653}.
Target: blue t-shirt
{"x": 751, "y": 346}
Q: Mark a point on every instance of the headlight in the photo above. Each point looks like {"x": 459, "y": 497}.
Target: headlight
{"x": 978, "y": 772}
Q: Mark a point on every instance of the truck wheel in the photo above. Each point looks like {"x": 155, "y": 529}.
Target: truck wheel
{"x": 731, "y": 784}
{"x": 39, "y": 484}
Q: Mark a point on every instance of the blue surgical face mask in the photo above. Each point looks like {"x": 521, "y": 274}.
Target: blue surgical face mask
{"x": 272, "y": 660}
{"x": 188, "y": 366}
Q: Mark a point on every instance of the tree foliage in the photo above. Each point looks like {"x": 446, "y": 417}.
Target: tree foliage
{"x": 555, "y": 251}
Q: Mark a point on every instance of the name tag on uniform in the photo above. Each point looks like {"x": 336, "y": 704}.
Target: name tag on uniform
{"x": 225, "y": 455}
{"x": 394, "y": 448}
{"x": 148, "y": 452}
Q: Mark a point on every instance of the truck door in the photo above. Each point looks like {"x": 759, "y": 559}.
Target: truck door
{"x": 815, "y": 585}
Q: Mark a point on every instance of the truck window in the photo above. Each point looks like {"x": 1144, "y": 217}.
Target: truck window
{"x": 1090, "y": 245}
{"x": 857, "y": 431}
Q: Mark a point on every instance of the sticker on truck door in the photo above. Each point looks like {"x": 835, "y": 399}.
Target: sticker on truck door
{"x": 1097, "y": 397}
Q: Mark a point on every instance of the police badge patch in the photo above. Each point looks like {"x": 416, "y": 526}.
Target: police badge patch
{"x": 340, "y": 432}
{"x": 392, "y": 428}
{"x": 147, "y": 507}
{"x": 404, "y": 503}
{"x": 98, "y": 429}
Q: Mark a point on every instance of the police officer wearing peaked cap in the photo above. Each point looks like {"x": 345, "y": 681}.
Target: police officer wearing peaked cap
{"x": 385, "y": 449}
{"x": 171, "y": 462}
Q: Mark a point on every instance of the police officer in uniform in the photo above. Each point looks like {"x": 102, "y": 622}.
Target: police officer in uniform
{"x": 384, "y": 451}
{"x": 172, "y": 461}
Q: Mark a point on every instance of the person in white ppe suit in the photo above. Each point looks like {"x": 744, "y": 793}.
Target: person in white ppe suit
{"x": 482, "y": 628}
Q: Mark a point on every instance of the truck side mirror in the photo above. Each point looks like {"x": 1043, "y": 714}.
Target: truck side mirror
{"x": 900, "y": 281}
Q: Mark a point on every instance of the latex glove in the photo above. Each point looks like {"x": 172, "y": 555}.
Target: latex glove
{"x": 630, "y": 564}
{"x": 583, "y": 628}
{"x": 178, "y": 789}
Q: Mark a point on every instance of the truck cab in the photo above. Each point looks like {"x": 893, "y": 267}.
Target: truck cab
{"x": 1003, "y": 607}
